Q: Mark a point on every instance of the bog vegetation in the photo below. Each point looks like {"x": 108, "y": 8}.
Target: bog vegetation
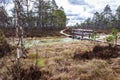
{"x": 61, "y": 60}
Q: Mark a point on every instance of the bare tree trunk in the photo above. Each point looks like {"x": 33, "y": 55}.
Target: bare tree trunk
{"x": 16, "y": 26}
{"x": 19, "y": 29}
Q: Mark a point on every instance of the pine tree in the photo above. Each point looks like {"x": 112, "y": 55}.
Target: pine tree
{"x": 118, "y": 16}
{"x": 107, "y": 16}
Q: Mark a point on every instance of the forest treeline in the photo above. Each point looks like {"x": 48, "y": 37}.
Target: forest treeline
{"x": 103, "y": 20}
{"x": 45, "y": 15}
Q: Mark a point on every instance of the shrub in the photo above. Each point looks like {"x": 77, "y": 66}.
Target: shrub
{"x": 17, "y": 72}
{"x": 94, "y": 36}
{"x": 2, "y": 37}
{"x": 100, "y": 52}
{"x": 115, "y": 34}
{"x": 110, "y": 39}
{"x": 4, "y": 46}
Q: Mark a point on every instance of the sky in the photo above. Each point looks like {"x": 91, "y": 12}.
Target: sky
{"x": 79, "y": 10}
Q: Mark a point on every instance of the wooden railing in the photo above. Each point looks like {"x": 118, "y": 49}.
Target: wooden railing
{"x": 81, "y": 33}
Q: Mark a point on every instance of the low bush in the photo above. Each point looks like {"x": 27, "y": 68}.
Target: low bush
{"x": 17, "y": 72}
{"x": 100, "y": 52}
{"x": 4, "y": 46}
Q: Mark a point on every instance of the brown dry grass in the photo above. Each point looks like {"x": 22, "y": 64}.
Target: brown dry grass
{"x": 60, "y": 64}
{"x": 56, "y": 62}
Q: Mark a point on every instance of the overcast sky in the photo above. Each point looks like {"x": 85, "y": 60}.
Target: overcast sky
{"x": 78, "y": 10}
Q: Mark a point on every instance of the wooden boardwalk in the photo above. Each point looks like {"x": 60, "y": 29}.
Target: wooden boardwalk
{"x": 65, "y": 34}
{"x": 82, "y": 33}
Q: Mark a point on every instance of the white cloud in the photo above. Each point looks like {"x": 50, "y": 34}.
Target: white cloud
{"x": 77, "y": 2}
{"x": 84, "y": 11}
{"x": 8, "y": 7}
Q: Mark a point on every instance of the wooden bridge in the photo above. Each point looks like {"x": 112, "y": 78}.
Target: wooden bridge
{"x": 85, "y": 34}
{"x": 82, "y": 33}
{"x": 78, "y": 33}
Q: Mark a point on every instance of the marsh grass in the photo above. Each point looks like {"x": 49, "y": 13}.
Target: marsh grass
{"x": 56, "y": 62}
{"x": 60, "y": 64}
